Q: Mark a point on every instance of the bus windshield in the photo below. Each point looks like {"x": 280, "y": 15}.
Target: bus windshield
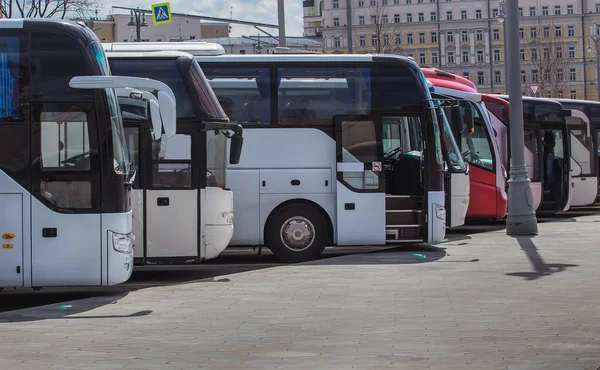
{"x": 455, "y": 159}
{"x": 120, "y": 154}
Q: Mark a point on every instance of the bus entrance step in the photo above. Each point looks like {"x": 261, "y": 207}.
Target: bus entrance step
{"x": 404, "y": 217}
{"x": 397, "y": 202}
{"x": 403, "y": 233}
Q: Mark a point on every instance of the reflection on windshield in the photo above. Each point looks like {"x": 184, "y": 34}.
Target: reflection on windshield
{"x": 454, "y": 157}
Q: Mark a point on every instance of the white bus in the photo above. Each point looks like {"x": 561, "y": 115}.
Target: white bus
{"x": 182, "y": 210}
{"x": 339, "y": 150}
{"x": 64, "y": 170}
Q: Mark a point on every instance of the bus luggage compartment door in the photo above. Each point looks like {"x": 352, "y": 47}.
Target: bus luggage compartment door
{"x": 11, "y": 230}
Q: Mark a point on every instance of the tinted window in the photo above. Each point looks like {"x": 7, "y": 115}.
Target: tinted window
{"x": 163, "y": 70}
{"x": 14, "y": 77}
{"x": 244, "y": 93}
{"x": 395, "y": 87}
{"x": 499, "y": 111}
{"x": 209, "y": 106}
{"x": 312, "y": 96}
{"x": 55, "y": 59}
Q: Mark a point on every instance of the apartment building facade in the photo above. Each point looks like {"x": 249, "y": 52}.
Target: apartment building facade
{"x": 558, "y": 50}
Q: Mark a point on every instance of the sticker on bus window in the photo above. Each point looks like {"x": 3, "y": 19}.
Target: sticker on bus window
{"x": 376, "y": 166}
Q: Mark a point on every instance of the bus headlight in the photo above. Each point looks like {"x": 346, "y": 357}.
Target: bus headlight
{"x": 123, "y": 243}
{"x": 227, "y": 216}
{"x": 440, "y": 212}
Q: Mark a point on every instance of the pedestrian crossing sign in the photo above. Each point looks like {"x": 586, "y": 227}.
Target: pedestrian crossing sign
{"x": 161, "y": 13}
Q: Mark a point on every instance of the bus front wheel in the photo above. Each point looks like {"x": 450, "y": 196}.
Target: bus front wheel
{"x": 297, "y": 233}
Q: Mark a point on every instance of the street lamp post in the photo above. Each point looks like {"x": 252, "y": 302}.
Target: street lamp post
{"x": 520, "y": 218}
{"x": 596, "y": 41}
{"x": 138, "y": 22}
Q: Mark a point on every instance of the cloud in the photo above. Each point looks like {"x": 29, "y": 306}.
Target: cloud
{"x": 264, "y": 11}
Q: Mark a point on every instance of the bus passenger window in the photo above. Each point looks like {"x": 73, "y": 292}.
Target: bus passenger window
{"x": 14, "y": 74}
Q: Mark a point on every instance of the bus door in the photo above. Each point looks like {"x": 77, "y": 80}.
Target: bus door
{"x": 360, "y": 180}
{"x": 65, "y": 176}
{"x": 556, "y": 168}
{"x": 583, "y": 159}
{"x": 165, "y": 198}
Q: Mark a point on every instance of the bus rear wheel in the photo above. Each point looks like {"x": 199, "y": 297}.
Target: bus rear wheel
{"x": 297, "y": 233}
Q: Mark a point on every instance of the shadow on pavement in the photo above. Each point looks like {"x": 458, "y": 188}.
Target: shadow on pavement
{"x": 540, "y": 267}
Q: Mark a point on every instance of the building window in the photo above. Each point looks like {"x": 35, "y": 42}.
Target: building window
{"x": 558, "y": 31}
{"x": 573, "y": 94}
{"x": 497, "y": 57}
{"x": 398, "y": 38}
{"x": 479, "y": 35}
{"x": 409, "y": 17}
{"x": 557, "y": 10}
{"x": 572, "y": 52}
{"x": 433, "y": 16}
{"x": 523, "y": 76}
{"x": 422, "y": 38}
{"x": 361, "y": 3}
{"x": 496, "y": 34}
{"x": 362, "y": 41}
{"x": 547, "y": 76}
{"x": 336, "y": 22}
{"x": 533, "y": 32}
{"x": 534, "y": 75}
{"x": 559, "y": 52}
{"x": 546, "y": 53}
{"x": 386, "y": 39}
{"x": 396, "y": 2}
{"x": 449, "y": 15}
{"x": 560, "y": 75}
{"x": 522, "y": 54}
{"x": 396, "y": 18}
{"x": 597, "y": 8}
{"x": 337, "y": 43}
{"x": 434, "y": 37}
{"x": 374, "y": 40}
{"x": 544, "y": 10}
{"x": 466, "y": 75}
{"x": 384, "y": 2}
{"x": 385, "y": 19}
{"x": 434, "y": 58}
{"x": 494, "y": 13}
{"x": 336, "y": 4}
{"x": 534, "y": 54}
{"x": 450, "y": 57}
{"x": 242, "y": 51}
{"x": 480, "y": 56}
{"x": 570, "y": 9}
{"x": 572, "y": 74}
{"x": 520, "y": 12}
{"x": 373, "y": 19}
{"x": 463, "y": 14}
{"x": 497, "y": 77}
{"x": 546, "y": 32}
{"x": 409, "y": 1}
{"x": 532, "y": 11}
{"x": 361, "y": 20}
{"x": 449, "y": 36}
{"x": 481, "y": 78}
{"x": 409, "y": 38}
{"x": 422, "y": 59}
{"x": 521, "y": 33}
{"x": 464, "y": 36}
{"x": 421, "y": 17}
{"x": 571, "y": 31}
{"x": 560, "y": 94}
{"x": 597, "y": 29}
{"x": 465, "y": 57}
{"x": 478, "y": 14}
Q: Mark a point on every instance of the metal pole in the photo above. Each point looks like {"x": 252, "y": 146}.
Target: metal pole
{"x": 596, "y": 42}
{"x": 281, "y": 12}
{"x": 520, "y": 219}
{"x": 349, "y": 25}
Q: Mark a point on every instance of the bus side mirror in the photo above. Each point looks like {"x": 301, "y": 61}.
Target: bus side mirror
{"x": 456, "y": 115}
{"x": 235, "y": 151}
{"x": 168, "y": 113}
{"x": 469, "y": 119}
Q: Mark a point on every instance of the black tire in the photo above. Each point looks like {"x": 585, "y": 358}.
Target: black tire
{"x": 307, "y": 218}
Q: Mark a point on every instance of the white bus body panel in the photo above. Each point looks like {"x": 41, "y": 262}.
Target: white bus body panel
{"x": 137, "y": 206}
{"x": 182, "y": 210}
{"x": 73, "y": 256}
{"x": 460, "y": 186}
{"x": 436, "y": 226}
{"x": 363, "y": 225}
{"x": 11, "y": 254}
{"x": 217, "y": 209}
{"x": 584, "y": 191}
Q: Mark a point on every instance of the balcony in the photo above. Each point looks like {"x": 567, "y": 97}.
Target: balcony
{"x": 313, "y": 32}
{"x": 308, "y": 3}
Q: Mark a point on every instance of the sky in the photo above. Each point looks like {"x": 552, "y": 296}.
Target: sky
{"x": 264, "y": 11}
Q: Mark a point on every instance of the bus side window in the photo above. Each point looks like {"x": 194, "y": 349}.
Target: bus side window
{"x": 55, "y": 59}
{"x": 14, "y": 74}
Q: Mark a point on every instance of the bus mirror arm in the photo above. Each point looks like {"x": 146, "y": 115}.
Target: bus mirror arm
{"x": 237, "y": 138}
{"x": 155, "y": 112}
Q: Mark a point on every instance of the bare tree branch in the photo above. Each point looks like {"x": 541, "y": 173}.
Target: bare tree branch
{"x": 547, "y": 60}
{"x": 47, "y": 8}
{"x": 382, "y": 36}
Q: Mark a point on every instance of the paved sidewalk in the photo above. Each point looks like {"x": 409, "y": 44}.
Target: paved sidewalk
{"x": 487, "y": 301}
